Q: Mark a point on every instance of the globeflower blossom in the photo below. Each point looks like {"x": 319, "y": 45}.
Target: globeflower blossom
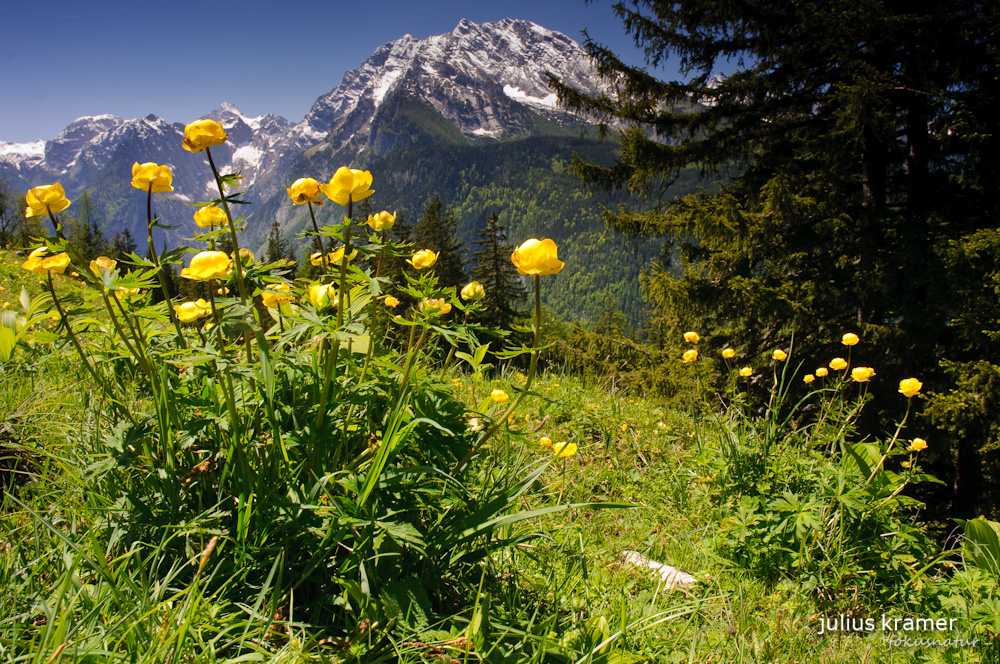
{"x": 910, "y": 387}
{"x": 46, "y": 199}
{"x": 39, "y": 261}
{"x": 202, "y": 134}
{"x": 152, "y": 177}
{"x": 473, "y": 292}
{"x": 537, "y": 258}
{"x": 208, "y": 265}
{"x": 862, "y": 374}
{"x": 348, "y": 184}
{"x": 423, "y": 259}
{"x": 209, "y": 216}
{"x": 305, "y": 190}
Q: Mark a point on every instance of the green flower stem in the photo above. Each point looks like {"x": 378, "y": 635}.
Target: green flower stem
{"x": 373, "y": 324}
{"x": 229, "y": 392}
{"x": 334, "y": 350}
{"x": 237, "y": 259}
{"x": 55, "y": 224}
{"x": 895, "y": 437}
{"x": 463, "y": 464}
{"x": 155, "y": 257}
{"x": 137, "y": 350}
{"x": 451, "y": 352}
{"x": 342, "y": 296}
{"x": 331, "y": 355}
{"x": 64, "y": 319}
{"x": 317, "y": 238}
{"x": 69, "y": 330}
{"x": 232, "y": 229}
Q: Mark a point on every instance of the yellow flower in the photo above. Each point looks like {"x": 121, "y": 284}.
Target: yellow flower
{"x": 391, "y": 302}
{"x": 473, "y": 291}
{"x": 152, "y": 177}
{"x": 909, "y": 387}
{"x": 838, "y": 364}
{"x": 822, "y": 372}
{"x": 188, "y": 312}
{"x": 208, "y": 265}
{"x": 918, "y": 444}
{"x": 323, "y": 295}
{"x": 746, "y": 372}
{"x": 537, "y": 258}
{"x": 691, "y": 337}
{"x": 348, "y": 184}
{"x": 46, "y": 199}
{"x": 423, "y": 259}
{"x": 862, "y": 374}
{"x": 209, "y": 216}
{"x": 850, "y": 339}
{"x": 545, "y": 441}
{"x": 276, "y": 295}
{"x": 434, "y": 307}
{"x": 38, "y": 261}
{"x": 728, "y": 353}
{"x": 381, "y": 221}
{"x": 905, "y": 464}
{"x": 333, "y": 258}
{"x": 126, "y": 294}
{"x": 102, "y": 264}
{"x": 690, "y": 355}
{"x": 202, "y": 134}
{"x": 808, "y": 378}
{"x": 779, "y": 355}
{"x": 305, "y": 190}
{"x": 564, "y": 449}
{"x": 246, "y": 256}
{"x": 499, "y": 396}
{"x": 337, "y": 256}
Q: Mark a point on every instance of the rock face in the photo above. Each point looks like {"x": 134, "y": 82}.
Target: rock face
{"x": 486, "y": 80}
{"x": 477, "y": 83}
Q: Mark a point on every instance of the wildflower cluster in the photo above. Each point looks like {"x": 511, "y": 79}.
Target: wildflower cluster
{"x": 283, "y": 395}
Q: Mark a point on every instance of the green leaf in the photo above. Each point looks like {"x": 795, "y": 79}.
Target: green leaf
{"x": 982, "y": 544}
{"x": 7, "y": 340}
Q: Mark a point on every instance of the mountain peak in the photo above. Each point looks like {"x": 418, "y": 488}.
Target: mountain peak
{"x": 487, "y": 79}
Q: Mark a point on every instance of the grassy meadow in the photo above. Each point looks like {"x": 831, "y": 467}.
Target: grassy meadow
{"x": 340, "y": 471}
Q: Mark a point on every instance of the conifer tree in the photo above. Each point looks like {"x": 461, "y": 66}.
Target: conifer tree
{"x": 122, "y": 244}
{"x": 86, "y": 233}
{"x": 277, "y": 247}
{"x": 505, "y": 293}
{"x": 11, "y": 214}
{"x": 855, "y": 148}
{"x": 436, "y": 231}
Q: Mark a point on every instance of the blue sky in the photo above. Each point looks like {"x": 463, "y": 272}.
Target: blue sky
{"x": 62, "y": 60}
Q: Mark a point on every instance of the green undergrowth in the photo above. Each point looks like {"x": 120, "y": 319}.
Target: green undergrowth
{"x": 784, "y": 522}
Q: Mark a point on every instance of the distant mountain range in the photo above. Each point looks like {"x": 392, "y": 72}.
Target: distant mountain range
{"x": 459, "y": 97}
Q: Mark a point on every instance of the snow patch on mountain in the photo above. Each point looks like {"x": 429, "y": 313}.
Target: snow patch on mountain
{"x": 22, "y": 154}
